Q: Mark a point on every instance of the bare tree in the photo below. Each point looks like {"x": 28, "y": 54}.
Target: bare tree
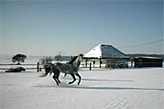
{"x": 58, "y": 57}
{"x": 110, "y": 63}
{"x": 46, "y": 60}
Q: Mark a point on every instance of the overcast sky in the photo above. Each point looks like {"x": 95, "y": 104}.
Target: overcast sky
{"x": 46, "y": 28}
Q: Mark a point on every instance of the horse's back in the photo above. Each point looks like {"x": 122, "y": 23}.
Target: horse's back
{"x": 65, "y": 68}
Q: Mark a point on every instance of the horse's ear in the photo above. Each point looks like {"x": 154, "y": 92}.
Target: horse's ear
{"x": 80, "y": 54}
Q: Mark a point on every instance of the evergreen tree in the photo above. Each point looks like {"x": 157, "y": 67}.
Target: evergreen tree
{"x": 19, "y": 58}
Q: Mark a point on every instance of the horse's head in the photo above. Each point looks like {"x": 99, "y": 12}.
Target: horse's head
{"x": 80, "y": 56}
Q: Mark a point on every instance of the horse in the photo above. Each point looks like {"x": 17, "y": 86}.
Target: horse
{"x": 71, "y": 68}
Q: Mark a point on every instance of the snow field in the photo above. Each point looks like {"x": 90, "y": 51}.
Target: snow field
{"x": 99, "y": 89}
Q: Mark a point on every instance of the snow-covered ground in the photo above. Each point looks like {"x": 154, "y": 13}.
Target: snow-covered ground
{"x": 100, "y": 89}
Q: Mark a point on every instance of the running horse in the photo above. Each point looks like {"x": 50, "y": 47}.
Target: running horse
{"x": 71, "y": 68}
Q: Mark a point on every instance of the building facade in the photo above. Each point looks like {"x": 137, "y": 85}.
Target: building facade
{"x": 147, "y": 62}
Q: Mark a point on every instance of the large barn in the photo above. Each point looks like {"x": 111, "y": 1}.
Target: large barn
{"x": 107, "y": 56}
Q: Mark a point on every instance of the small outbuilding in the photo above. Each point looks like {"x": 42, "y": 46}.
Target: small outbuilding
{"x": 147, "y": 62}
{"x": 106, "y": 55}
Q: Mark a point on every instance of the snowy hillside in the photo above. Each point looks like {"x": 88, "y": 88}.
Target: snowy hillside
{"x": 99, "y": 89}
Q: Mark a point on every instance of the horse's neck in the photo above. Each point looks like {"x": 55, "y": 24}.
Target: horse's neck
{"x": 76, "y": 62}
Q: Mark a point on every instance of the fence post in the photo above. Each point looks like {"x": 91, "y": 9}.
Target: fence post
{"x": 38, "y": 67}
{"x": 90, "y": 66}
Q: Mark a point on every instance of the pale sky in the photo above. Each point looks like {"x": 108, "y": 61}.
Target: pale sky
{"x": 46, "y": 28}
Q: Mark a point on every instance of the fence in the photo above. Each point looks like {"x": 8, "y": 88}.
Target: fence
{"x": 26, "y": 66}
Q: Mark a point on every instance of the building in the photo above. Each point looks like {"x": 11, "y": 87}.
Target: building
{"x": 106, "y": 55}
{"x": 147, "y": 62}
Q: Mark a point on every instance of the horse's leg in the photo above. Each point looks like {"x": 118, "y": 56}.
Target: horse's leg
{"x": 74, "y": 79}
{"x": 79, "y": 78}
{"x": 55, "y": 77}
{"x": 56, "y": 80}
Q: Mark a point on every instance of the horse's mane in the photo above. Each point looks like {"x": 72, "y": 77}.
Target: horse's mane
{"x": 72, "y": 60}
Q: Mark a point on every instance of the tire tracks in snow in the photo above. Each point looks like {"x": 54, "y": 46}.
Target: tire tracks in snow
{"x": 117, "y": 103}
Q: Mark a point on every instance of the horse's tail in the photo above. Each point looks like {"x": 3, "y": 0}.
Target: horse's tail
{"x": 43, "y": 75}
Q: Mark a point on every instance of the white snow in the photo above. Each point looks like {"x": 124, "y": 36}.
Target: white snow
{"x": 100, "y": 89}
